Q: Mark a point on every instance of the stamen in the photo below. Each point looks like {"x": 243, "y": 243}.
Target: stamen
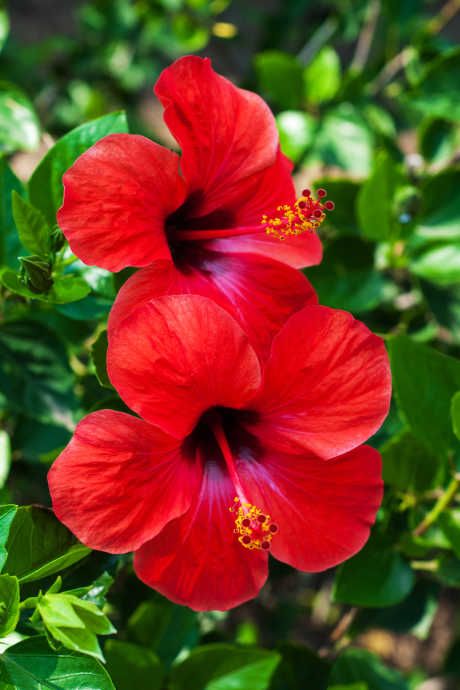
{"x": 254, "y": 528}
{"x": 305, "y": 215}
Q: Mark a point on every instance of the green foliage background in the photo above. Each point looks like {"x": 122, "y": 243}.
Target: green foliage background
{"x": 367, "y": 99}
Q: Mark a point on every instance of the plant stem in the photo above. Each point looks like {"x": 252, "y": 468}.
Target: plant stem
{"x": 441, "y": 504}
{"x": 366, "y": 36}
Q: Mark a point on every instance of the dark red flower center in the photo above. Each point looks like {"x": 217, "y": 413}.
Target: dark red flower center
{"x": 221, "y": 435}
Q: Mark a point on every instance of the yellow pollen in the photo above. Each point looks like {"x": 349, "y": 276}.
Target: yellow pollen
{"x": 305, "y": 215}
{"x": 254, "y": 528}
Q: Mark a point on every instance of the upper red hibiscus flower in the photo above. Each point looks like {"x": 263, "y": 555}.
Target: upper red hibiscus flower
{"x": 205, "y": 222}
{"x": 234, "y": 458}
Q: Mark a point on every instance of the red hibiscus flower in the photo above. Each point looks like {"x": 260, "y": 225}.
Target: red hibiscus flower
{"x": 231, "y": 459}
{"x": 207, "y": 222}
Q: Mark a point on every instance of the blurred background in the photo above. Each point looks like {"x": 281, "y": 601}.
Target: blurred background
{"x": 367, "y": 99}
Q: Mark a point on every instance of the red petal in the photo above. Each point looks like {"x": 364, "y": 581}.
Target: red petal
{"x": 298, "y": 252}
{"x": 117, "y": 196}
{"x": 119, "y": 481}
{"x": 259, "y": 293}
{"x": 226, "y": 134}
{"x": 178, "y": 356}
{"x": 197, "y": 560}
{"x": 323, "y": 510}
{"x": 327, "y": 384}
{"x": 262, "y": 194}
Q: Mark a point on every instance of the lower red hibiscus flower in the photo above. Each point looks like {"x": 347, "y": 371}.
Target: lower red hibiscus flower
{"x": 232, "y": 460}
{"x": 208, "y": 222}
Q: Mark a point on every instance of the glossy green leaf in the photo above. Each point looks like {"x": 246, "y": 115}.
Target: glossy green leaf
{"x": 32, "y": 665}
{"x": 361, "y": 666}
{"x": 344, "y": 140}
{"x": 424, "y": 382}
{"x": 33, "y": 230}
{"x": 35, "y": 376}
{"x": 440, "y": 264}
{"x": 19, "y": 125}
{"x": 409, "y": 466}
{"x": 10, "y": 246}
{"x": 45, "y": 185}
{"x": 436, "y": 94}
{"x": 346, "y": 278}
{"x": 7, "y": 514}
{"x": 455, "y": 413}
{"x": 439, "y": 217}
{"x": 438, "y": 140}
{"x": 225, "y": 667}
{"x": 377, "y": 576}
{"x": 322, "y": 76}
{"x": 5, "y": 457}
{"x": 280, "y": 78}
{"x": 343, "y": 192}
{"x": 164, "y": 627}
{"x": 449, "y": 522}
{"x": 9, "y": 604}
{"x": 375, "y": 200}
{"x": 39, "y": 545}
{"x": 132, "y": 666}
{"x": 296, "y": 130}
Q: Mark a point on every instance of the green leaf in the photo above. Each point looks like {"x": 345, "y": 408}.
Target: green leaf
{"x": 7, "y": 514}
{"x": 449, "y": 521}
{"x": 300, "y": 668}
{"x": 455, "y": 413}
{"x": 296, "y": 130}
{"x": 32, "y": 665}
{"x": 45, "y": 185}
{"x": 439, "y": 217}
{"x": 343, "y": 193}
{"x": 73, "y": 622}
{"x": 225, "y": 667}
{"x": 444, "y": 303}
{"x": 409, "y": 466}
{"x": 39, "y": 545}
{"x": 344, "y": 140}
{"x": 280, "y": 78}
{"x": 19, "y": 125}
{"x": 346, "y": 278}
{"x": 436, "y": 94}
{"x": 322, "y": 77}
{"x": 353, "y": 686}
{"x": 9, "y": 604}
{"x": 35, "y": 376}
{"x": 377, "y": 576}
{"x": 131, "y": 666}
{"x": 164, "y": 627}
{"x": 4, "y": 26}
{"x": 375, "y": 200}
{"x": 99, "y": 356}
{"x": 64, "y": 289}
{"x": 10, "y": 246}
{"x": 438, "y": 140}
{"x": 360, "y": 666}
{"x": 5, "y": 457}
{"x": 33, "y": 230}
{"x": 440, "y": 264}
{"x": 424, "y": 382}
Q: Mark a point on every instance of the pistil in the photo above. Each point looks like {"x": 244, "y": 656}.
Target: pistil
{"x": 305, "y": 215}
{"x": 255, "y": 529}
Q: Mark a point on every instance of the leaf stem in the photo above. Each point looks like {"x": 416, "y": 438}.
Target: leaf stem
{"x": 441, "y": 504}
